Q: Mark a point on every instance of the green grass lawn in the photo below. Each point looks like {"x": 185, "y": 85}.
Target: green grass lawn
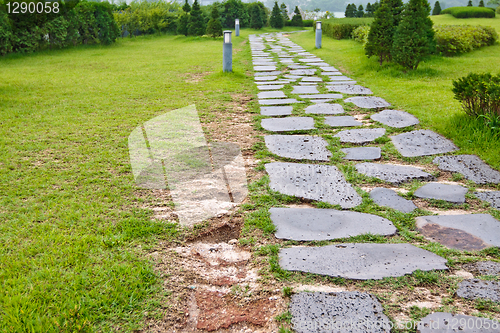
{"x": 425, "y": 92}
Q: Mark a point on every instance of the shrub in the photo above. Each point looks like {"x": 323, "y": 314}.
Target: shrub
{"x": 257, "y": 15}
{"x": 478, "y": 93}
{"x": 469, "y": 12}
{"x": 455, "y": 39}
{"x": 343, "y": 28}
{"x": 360, "y": 34}
{"x": 196, "y": 25}
{"x": 297, "y": 18}
{"x": 350, "y": 10}
{"x": 308, "y": 23}
{"x": 214, "y": 27}
{"x": 234, "y": 9}
{"x": 6, "y": 35}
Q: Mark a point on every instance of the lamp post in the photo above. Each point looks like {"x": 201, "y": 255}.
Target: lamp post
{"x": 237, "y": 27}
{"x": 318, "y": 34}
{"x": 227, "y": 52}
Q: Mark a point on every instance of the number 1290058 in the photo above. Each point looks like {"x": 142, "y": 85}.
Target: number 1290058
{"x": 32, "y": 7}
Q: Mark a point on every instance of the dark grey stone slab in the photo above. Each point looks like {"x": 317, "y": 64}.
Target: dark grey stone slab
{"x": 368, "y": 102}
{"x": 288, "y": 124}
{"x": 300, "y": 147}
{"x": 267, "y": 73}
{"x": 312, "y": 79}
{"x": 422, "y": 143}
{"x": 322, "y": 96}
{"x": 350, "y": 89}
{"x": 340, "y": 78}
{"x": 310, "y": 224}
{"x": 350, "y": 311}
{"x": 362, "y": 135}
{"x": 276, "y": 110}
{"x": 479, "y": 289}
{"x": 265, "y": 78}
{"x": 389, "y": 198}
{"x": 264, "y": 68}
{"x": 325, "y": 109}
{"x": 447, "y": 323}
{"x": 483, "y": 267}
{"x": 395, "y": 174}
{"x": 451, "y": 193}
{"x": 271, "y": 87}
{"x": 271, "y": 94}
{"x": 464, "y": 232}
{"x": 492, "y": 197}
{"x": 317, "y": 182}
{"x": 360, "y": 261}
{"x": 305, "y": 90}
{"x": 278, "y": 101}
{"x": 395, "y": 118}
{"x": 329, "y": 69}
{"x": 361, "y": 153}
{"x": 471, "y": 166}
{"x": 342, "y": 121}
{"x": 303, "y": 71}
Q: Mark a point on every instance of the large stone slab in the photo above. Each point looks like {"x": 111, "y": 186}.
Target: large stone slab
{"x": 305, "y": 90}
{"x": 311, "y": 224}
{"x": 483, "y": 267}
{"x": 328, "y": 69}
{"x": 342, "y": 121}
{"x": 311, "y": 79}
{"x": 350, "y": 311}
{"x": 422, "y": 143}
{"x": 266, "y": 77}
{"x": 264, "y": 66}
{"x": 361, "y": 153}
{"x": 271, "y": 87}
{"x": 322, "y": 96}
{"x": 479, "y": 289}
{"x": 324, "y": 108}
{"x": 276, "y": 110}
{"x": 395, "y": 174}
{"x": 471, "y": 166}
{"x": 300, "y": 147}
{"x": 395, "y": 118}
{"x": 389, "y": 198}
{"x": 316, "y": 182}
{"x": 303, "y": 71}
{"x": 448, "y": 322}
{"x": 271, "y": 94}
{"x": 350, "y": 89}
{"x": 267, "y": 73}
{"x": 368, "y": 102}
{"x": 362, "y": 135}
{"x": 288, "y": 124}
{"x": 493, "y": 197}
{"x": 298, "y": 66}
{"x": 360, "y": 261}
{"x": 278, "y": 101}
{"x": 310, "y": 60}
{"x": 331, "y": 73}
{"x": 340, "y": 78}
{"x": 351, "y": 82}
{"x": 464, "y": 232}
{"x": 451, "y": 193}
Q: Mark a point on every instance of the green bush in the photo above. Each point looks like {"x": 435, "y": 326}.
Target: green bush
{"x": 360, "y": 34}
{"x": 308, "y": 23}
{"x": 5, "y": 34}
{"x": 455, "y": 39}
{"x": 478, "y": 93}
{"x": 469, "y": 12}
{"x": 343, "y": 28}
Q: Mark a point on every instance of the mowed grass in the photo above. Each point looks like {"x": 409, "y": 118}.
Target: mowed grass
{"x": 425, "y": 92}
{"x": 74, "y": 228}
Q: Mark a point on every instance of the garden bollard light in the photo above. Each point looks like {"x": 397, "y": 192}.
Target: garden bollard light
{"x": 318, "y": 34}
{"x": 237, "y": 27}
{"x": 227, "y": 52}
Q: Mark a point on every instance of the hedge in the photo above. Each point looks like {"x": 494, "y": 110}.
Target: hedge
{"x": 469, "y": 12}
{"x": 455, "y": 39}
{"x": 478, "y": 93}
{"x": 343, "y": 28}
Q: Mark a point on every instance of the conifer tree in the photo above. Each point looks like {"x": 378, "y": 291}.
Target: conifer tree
{"x": 276, "y": 17}
{"x": 369, "y": 10}
{"x": 183, "y": 21}
{"x": 360, "y": 12}
{"x": 350, "y": 10}
{"x": 214, "y": 26}
{"x": 380, "y": 37}
{"x": 196, "y": 25}
{"x": 481, "y": 3}
{"x": 284, "y": 13}
{"x": 297, "y": 18}
{"x": 469, "y": 4}
{"x": 397, "y": 8}
{"x": 256, "y": 16}
{"x": 437, "y": 8}
{"x": 186, "y": 8}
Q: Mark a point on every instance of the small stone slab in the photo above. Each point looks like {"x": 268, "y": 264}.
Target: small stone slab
{"x": 271, "y": 87}
{"x": 310, "y": 60}
{"x": 361, "y": 153}
{"x": 493, "y": 197}
{"x": 471, "y": 166}
{"x": 483, "y": 267}
{"x": 311, "y": 181}
{"x": 276, "y": 110}
{"x": 340, "y": 83}
{"x": 265, "y": 78}
{"x": 395, "y": 118}
{"x": 311, "y": 224}
{"x": 303, "y": 71}
{"x": 271, "y": 94}
{"x": 395, "y": 174}
{"x": 308, "y": 83}
{"x": 273, "y": 82}
{"x": 299, "y": 147}
{"x": 287, "y": 61}
{"x": 322, "y": 96}
{"x": 342, "y": 121}
{"x": 298, "y": 66}
{"x": 350, "y": 89}
{"x": 422, "y": 143}
{"x": 305, "y": 90}
{"x": 362, "y": 135}
{"x": 368, "y": 102}
{"x": 349, "y": 311}
{"x": 267, "y": 73}
{"x": 360, "y": 261}
{"x": 479, "y": 289}
{"x": 312, "y": 79}
{"x": 449, "y": 323}
{"x": 288, "y": 124}
{"x": 263, "y": 62}
{"x": 264, "y": 68}
{"x": 277, "y": 101}
{"x": 331, "y": 73}
{"x": 464, "y": 232}
{"x": 340, "y": 78}
{"x": 324, "y": 108}
{"x": 451, "y": 193}
{"x": 329, "y": 69}
{"x": 293, "y": 77}
{"x": 389, "y": 198}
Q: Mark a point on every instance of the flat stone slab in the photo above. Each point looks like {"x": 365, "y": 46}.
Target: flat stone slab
{"x": 293, "y": 77}
{"x": 303, "y": 71}
{"x": 395, "y": 118}
{"x": 305, "y": 90}
{"x": 298, "y": 66}
{"x": 278, "y": 101}
{"x": 361, "y": 153}
{"x": 349, "y": 311}
{"x": 422, "y": 143}
{"x": 471, "y": 166}
{"x": 464, "y": 232}
{"x": 264, "y": 66}
{"x": 340, "y": 78}
{"x": 447, "y": 323}
{"x": 312, "y": 79}
{"x": 395, "y": 174}
{"x": 276, "y": 110}
{"x": 389, "y": 198}
{"x": 479, "y": 289}
{"x": 362, "y": 135}
{"x": 310, "y": 60}
{"x": 300, "y": 147}
{"x": 360, "y": 261}
{"x": 342, "y": 121}
{"x": 311, "y": 224}
{"x": 267, "y": 73}
{"x": 492, "y": 197}
{"x": 320, "y": 101}
{"x": 350, "y": 89}
{"x": 322, "y": 96}
{"x": 262, "y": 83}
{"x": 288, "y": 124}
{"x": 451, "y": 193}
{"x": 331, "y": 73}
{"x": 483, "y": 267}
{"x": 368, "y": 102}
{"x": 316, "y": 182}
{"x": 324, "y": 108}
{"x": 329, "y": 69}
{"x": 271, "y": 87}
{"x": 351, "y": 82}
{"x": 271, "y": 94}
{"x": 266, "y": 77}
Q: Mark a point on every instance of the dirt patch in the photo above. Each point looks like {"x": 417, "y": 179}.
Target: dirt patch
{"x": 223, "y": 229}
{"x": 195, "y": 77}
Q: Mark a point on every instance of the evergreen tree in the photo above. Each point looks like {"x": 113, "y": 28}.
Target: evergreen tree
{"x": 350, "y": 10}
{"x": 284, "y": 13}
{"x": 414, "y": 37}
{"x": 276, "y": 17}
{"x": 196, "y": 25}
{"x": 397, "y": 8}
{"x": 375, "y": 6}
{"x": 469, "y": 4}
{"x": 437, "y": 8}
{"x": 360, "y": 12}
{"x": 186, "y": 8}
{"x": 182, "y": 22}
{"x": 297, "y": 18}
{"x": 214, "y": 27}
{"x": 481, "y": 3}
{"x": 369, "y": 10}
{"x": 256, "y": 16}
{"x": 380, "y": 37}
